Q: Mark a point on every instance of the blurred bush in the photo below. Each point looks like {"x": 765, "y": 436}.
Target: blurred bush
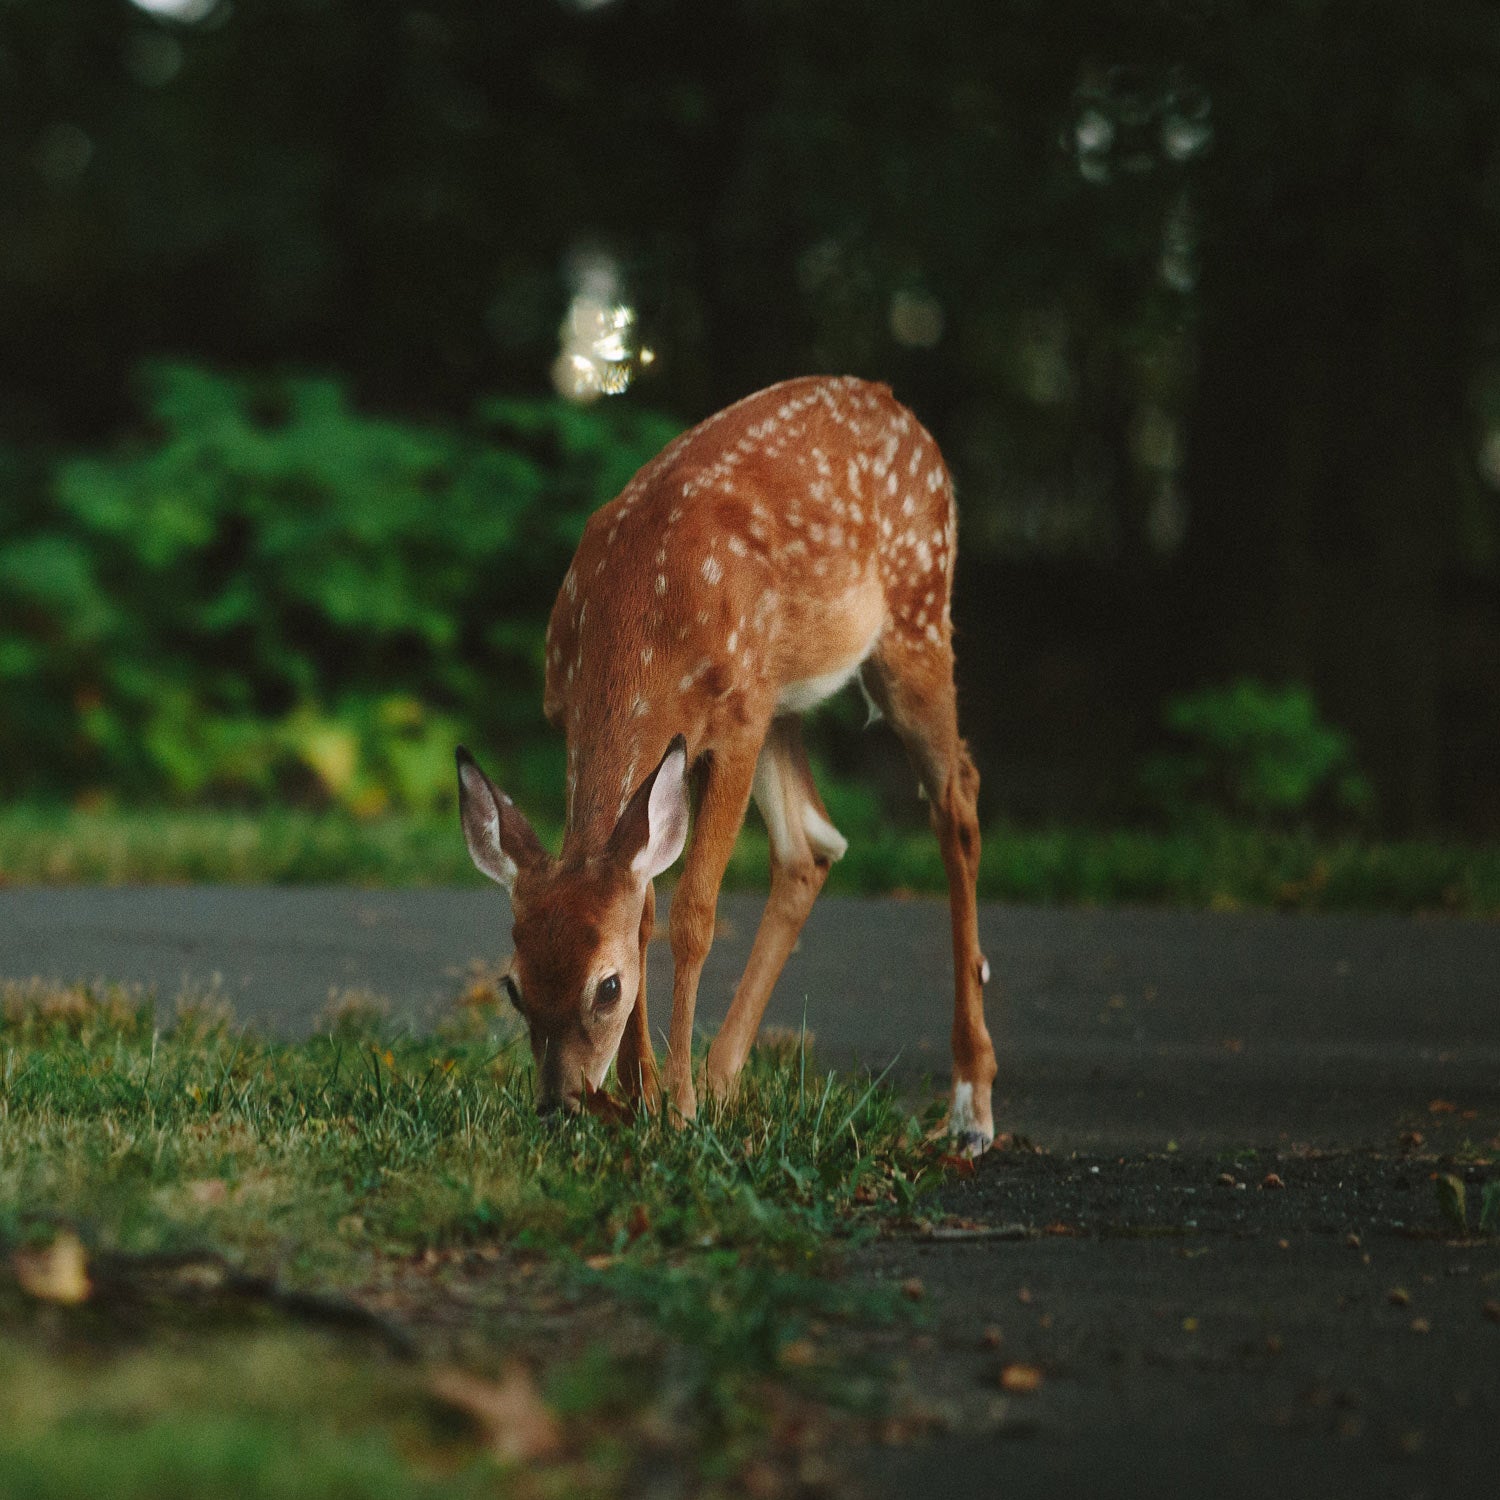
{"x": 1254, "y": 754}
{"x": 267, "y": 593}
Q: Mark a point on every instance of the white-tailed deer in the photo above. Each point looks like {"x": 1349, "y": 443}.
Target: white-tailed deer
{"x": 803, "y": 535}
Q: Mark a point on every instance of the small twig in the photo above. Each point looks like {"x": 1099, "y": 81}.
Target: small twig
{"x": 982, "y": 1232}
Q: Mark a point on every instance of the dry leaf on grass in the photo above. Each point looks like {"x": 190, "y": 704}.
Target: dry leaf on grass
{"x": 58, "y": 1272}
{"x": 517, "y": 1424}
{"x": 1020, "y": 1380}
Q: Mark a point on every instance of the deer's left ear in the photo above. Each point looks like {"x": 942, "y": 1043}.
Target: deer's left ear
{"x": 654, "y": 826}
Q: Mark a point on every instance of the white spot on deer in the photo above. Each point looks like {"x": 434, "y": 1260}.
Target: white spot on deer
{"x": 640, "y": 708}
{"x": 885, "y": 526}
{"x": 835, "y": 535}
{"x": 915, "y": 462}
{"x": 661, "y": 557}
{"x": 713, "y": 569}
{"x": 933, "y": 635}
{"x": 891, "y": 483}
{"x": 854, "y": 480}
{"x": 736, "y": 545}
{"x": 647, "y": 653}
{"x": 820, "y": 462}
{"x": 924, "y": 556}
{"x": 820, "y": 567}
{"x": 909, "y": 506}
{"x": 732, "y": 644}
{"x": 795, "y": 548}
{"x": 570, "y": 584}
{"x": 815, "y": 532}
{"x": 921, "y": 617}
{"x": 934, "y": 479}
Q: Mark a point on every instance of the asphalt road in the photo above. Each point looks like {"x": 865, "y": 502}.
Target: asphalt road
{"x": 1191, "y": 1327}
{"x": 1116, "y": 1030}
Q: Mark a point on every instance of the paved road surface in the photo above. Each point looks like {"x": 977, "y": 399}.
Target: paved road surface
{"x": 1115, "y": 1029}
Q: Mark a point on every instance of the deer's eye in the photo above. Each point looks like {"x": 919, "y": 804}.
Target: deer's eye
{"x": 512, "y": 991}
{"x": 608, "y": 992}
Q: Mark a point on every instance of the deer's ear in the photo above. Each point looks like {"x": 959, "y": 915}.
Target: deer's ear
{"x": 654, "y": 826}
{"x": 501, "y": 842}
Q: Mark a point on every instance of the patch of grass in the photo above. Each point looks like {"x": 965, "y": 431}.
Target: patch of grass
{"x": 1213, "y": 865}
{"x": 262, "y": 1414}
{"x": 223, "y": 1185}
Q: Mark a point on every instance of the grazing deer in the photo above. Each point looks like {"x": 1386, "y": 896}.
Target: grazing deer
{"x": 799, "y": 537}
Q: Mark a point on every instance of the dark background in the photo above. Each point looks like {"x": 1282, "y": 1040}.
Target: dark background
{"x": 1200, "y": 299}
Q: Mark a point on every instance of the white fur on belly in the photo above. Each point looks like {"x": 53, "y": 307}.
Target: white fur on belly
{"x": 798, "y": 697}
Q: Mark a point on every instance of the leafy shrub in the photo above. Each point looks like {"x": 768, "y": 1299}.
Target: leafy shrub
{"x": 267, "y": 592}
{"x": 1254, "y": 754}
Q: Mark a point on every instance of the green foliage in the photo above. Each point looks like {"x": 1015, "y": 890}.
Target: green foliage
{"x": 266, "y": 592}
{"x": 1254, "y": 754}
{"x": 1207, "y": 865}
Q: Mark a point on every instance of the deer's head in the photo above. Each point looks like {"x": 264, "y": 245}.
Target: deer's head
{"x": 576, "y": 974}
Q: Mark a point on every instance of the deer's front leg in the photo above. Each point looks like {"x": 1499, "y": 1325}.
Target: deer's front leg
{"x": 721, "y": 810}
{"x": 636, "y": 1065}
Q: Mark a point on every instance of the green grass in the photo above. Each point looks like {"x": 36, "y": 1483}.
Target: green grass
{"x": 271, "y": 1229}
{"x": 1212, "y": 866}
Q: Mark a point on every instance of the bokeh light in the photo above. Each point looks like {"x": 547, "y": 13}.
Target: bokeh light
{"x": 178, "y": 10}
{"x": 916, "y": 319}
{"x": 600, "y": 352}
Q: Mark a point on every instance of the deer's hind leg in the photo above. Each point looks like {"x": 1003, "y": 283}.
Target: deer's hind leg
{"x": 910, "y": 677}
{"x": 803, "y": 846}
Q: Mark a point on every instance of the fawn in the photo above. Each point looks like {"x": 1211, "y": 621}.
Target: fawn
{"x": 761, "y": 560}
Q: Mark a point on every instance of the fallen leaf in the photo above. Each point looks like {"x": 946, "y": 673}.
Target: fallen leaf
{"x": 1420, "y": 1325}
{"x": 58, "y": 1272}
{"x": 991, "y": 1338}
{"x": 638, "y": 1222}
{"x": 516, "y": 1423}
{"x": 1020, "y": 1380}
{"x": 799, "y": 1354}
{"x": 1398, "y": 1296}
{"x": 912, "y": 1289}
{"x": 208, "y": 1191}
{"x": 1272, "y": 1180}
{"x": 1442, "y": 1107}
